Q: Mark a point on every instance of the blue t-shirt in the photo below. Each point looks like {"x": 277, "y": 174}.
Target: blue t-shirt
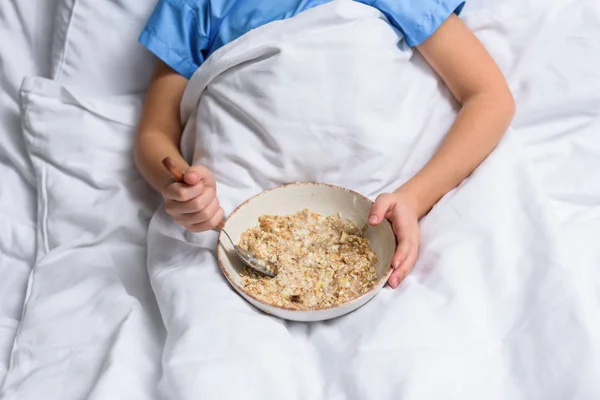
{"x": 184, "y": 33}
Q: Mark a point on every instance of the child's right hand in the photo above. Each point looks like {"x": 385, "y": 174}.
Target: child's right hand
{"x": 194, "y": 204}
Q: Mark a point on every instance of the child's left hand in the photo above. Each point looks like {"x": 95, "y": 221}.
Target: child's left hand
{"x": 400, "y": 210}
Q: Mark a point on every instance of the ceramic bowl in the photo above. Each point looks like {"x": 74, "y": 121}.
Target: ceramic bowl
{"x": 323, "y": 199}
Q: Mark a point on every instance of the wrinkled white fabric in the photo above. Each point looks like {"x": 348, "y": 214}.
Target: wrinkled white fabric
{"x": 25, "y": 31}
{"x": 90, "y": 327}
{"x": 492, "y": 309}
{"x": 100, "y": 60}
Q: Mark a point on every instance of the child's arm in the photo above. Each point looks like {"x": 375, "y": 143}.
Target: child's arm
{"x": 194, "y": 205}
{"x": 487, "y": 109}
{"x": 159, "y": 132}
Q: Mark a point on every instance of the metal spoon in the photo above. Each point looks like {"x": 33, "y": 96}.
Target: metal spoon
{"x": 255, "y": 263}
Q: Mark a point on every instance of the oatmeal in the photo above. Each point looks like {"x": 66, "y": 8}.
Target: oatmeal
{"x": 320, "y": 261}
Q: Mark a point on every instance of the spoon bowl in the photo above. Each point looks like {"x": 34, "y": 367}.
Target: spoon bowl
{"x": 250, "y": 260}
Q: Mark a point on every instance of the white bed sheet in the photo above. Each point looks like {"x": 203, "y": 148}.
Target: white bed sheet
{"x": 25, "y": 30}
{"x": 549, "y": 53}
{"x": 538, "y": 44}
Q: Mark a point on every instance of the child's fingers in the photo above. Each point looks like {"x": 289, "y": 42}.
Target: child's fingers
{"x": 182, "y": 192}
{"x": 401, "y": 253}
{"x": 200, "y": 216}
{"x": 208, "y": 225}
{"x": 196, "y": 204}
{"x": 197, "y": 173}
{"x": 404, "y": 269}
{"x": 380, "y": 208}
{"x": 191, "y": 177}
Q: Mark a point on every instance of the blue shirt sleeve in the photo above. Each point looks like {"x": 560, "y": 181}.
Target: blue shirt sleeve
{"x": 178, "y": 34}
{"x": 417, "y": 19}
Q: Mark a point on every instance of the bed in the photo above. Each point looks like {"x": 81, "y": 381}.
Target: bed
{"x": 503, "y": 304}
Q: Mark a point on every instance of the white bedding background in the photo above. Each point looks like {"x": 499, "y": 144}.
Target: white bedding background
{"x": 507, "y": 287}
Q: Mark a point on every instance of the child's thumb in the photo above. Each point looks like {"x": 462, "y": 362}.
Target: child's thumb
{"x": 191, "y": 177}
{"x": 380, "y": 208}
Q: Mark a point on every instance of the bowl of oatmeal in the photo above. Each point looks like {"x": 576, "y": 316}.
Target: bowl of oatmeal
{"x": 329, "y": 262}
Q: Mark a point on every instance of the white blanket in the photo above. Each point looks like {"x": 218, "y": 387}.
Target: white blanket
{"x": 491, "y": 310}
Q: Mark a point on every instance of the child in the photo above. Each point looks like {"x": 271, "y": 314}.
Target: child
{"x": 184, "y": 33}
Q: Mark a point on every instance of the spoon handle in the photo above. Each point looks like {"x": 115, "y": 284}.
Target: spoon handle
{"x": 173, "y": 169}
{"x": 178, "y": 176}
{"x": 219, "y": 227}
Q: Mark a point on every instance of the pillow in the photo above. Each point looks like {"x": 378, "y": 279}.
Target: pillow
{"x": 95, "y": 45}
{"x": 89, "y": 298}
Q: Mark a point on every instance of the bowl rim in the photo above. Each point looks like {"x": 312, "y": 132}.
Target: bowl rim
{"x": 378, "y": 285}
